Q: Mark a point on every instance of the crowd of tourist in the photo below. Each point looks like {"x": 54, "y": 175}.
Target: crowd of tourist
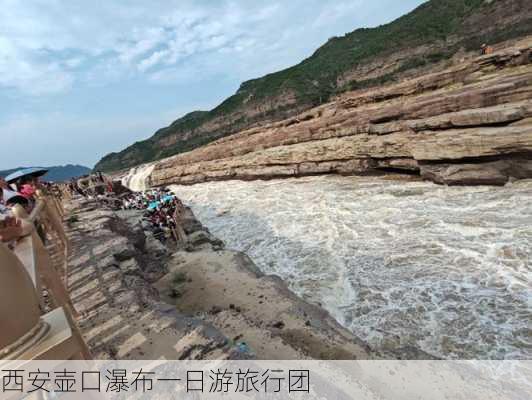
{"x": 160, "y": 207}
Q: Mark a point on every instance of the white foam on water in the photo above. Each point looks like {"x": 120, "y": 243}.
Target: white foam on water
{"x": 446, "y": 270}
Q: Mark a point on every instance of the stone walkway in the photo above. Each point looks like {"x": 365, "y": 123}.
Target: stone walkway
{"x": 121, "y": 316}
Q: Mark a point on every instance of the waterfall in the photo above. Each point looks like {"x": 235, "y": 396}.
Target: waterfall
{"x": 138, "y": 178}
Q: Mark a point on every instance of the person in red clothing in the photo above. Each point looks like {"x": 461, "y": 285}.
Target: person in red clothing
{"x": 485, "y": 49}
{"x": 28, "y": 186}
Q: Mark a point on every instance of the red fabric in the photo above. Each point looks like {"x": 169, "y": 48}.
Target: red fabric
{"x": 27, "y": 191}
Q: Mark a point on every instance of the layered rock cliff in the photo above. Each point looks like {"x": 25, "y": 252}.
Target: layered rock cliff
{"x": 468, "y": 124}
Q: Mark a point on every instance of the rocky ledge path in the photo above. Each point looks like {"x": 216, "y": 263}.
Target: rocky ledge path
{"x": 468, "y": 124}
{"x": 110, "y": 269}
{"x": 140, "y": 299}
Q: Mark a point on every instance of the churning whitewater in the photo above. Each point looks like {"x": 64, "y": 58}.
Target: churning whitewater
{"x": 402, "y": 264}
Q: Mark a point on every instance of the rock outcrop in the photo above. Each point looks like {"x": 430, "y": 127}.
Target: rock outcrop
{"x": 111, "y": 268}
{"x": 470, "y": 124}
{"x": 228, "y": 291}
{"x": 140, "y": 299}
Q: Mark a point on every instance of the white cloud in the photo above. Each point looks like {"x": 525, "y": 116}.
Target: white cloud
{"x": 149, "y": 39}
{"x": 337, "y": 10}
{"x": 20, "y": 71}
{"x": 73, "y": 62}
{"x": 153, "y": 59}
{"x": 53, "y": 37}
{"x": 50, "y": 38}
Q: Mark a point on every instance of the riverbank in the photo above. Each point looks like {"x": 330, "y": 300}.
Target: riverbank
{"x": 227, "y": 290}
{"x": 140, "y": 299}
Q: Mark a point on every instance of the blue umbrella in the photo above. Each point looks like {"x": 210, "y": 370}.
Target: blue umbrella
{"x": 153, "y": 205}
{"x": 34, "y": 171}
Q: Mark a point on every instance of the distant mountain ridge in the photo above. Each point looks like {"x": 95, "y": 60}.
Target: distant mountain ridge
{"x": 431, "y": 35}
{"x": 57, "y": 173}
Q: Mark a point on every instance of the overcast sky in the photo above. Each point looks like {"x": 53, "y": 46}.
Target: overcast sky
{"x": 79, "y": 79}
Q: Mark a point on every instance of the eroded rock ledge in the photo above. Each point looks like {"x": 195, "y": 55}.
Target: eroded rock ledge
{"x": 469, "y": 124}
{"x": 111, "y": 268}
{"x": 140, "y": 299}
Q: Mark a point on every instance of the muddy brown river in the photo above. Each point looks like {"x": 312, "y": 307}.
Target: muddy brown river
{"x": 401, "y": 264}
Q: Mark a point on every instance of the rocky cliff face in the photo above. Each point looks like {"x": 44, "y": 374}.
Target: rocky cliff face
{"x": 468, "y": 124}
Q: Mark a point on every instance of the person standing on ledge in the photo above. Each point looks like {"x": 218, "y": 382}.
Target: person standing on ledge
{"x": 485, "y": 49}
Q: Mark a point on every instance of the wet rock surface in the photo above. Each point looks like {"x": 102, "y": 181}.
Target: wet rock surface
{"x": 227, "y": 290}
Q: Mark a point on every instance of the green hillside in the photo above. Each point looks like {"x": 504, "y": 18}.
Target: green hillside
{"x": 314, "y": 80}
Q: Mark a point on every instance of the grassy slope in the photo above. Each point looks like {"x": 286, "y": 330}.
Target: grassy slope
{"x": 315, "y": 79}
